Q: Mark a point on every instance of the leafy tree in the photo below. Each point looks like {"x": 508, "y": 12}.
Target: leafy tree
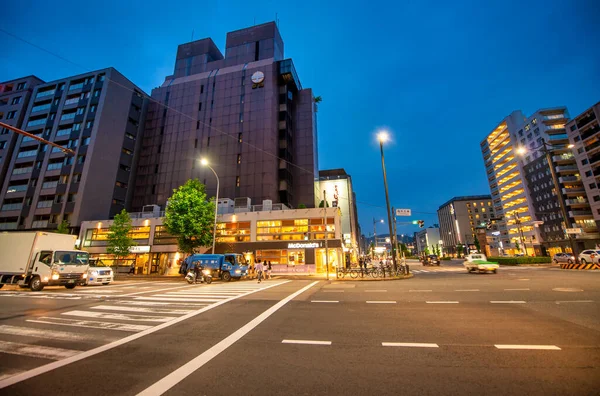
{"x": 190, "y": 216}
{"x": 301, "y": 206}
{"x": 517, "y": 245}
{"x": 426, "y": 251}
{"x": 321, "y": 204}
{"x": 317, "y": 100}
{"x": 64, "y": 227}
{"x": 477, "y": 245}
{"x": 459, "y": 250}
{"x": 119, "y": 239}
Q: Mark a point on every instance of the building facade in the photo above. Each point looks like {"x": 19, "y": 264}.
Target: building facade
{"x": 293, "y": 240}
{"x": 14, "y": 99}
{"x": 99, "y": 116}
{"x": 337, "y": 185}
{"x": 428, "y": 240}
{"x": 459, "y": 218}
{"x": 246, "y": 112}
{"x": 584, "y": 134}
{"x": 515, "y": 142}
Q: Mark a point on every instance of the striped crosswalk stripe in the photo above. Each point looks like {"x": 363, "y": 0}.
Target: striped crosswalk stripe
{"x": 38, "y": 351}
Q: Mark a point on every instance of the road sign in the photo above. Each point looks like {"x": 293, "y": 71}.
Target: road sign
{"x": 403, "y": 212}
{"x": 574, "y": 230}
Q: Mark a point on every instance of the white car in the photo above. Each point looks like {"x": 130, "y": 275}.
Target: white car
{"x": 478, "y": 262}
{"x": 589, "y": 256}
{"x": 99, "y": 273}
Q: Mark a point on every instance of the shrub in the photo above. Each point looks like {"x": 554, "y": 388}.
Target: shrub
{"x": 446, "y": 258}
{"x": 520, "y": 260}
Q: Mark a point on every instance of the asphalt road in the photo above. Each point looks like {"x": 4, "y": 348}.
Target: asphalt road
{"x": 522, "y": 331}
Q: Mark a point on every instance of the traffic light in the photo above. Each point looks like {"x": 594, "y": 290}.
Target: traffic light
{"x": 415, "y": 221}
{"x": 488, "y": 225}
{"x": 421, "y": 223}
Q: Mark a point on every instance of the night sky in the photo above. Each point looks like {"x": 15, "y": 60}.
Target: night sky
{"x": 438, "y": 75}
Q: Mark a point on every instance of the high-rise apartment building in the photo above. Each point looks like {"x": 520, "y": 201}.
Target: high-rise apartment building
{"x": 14, "y": 99}
{"x": 246, "y": 112}
{"x": 459, "y": 217}
{"x": 515, "y": 142}
{"x": 99, "y": 115}
{"x": 584, "y": 134}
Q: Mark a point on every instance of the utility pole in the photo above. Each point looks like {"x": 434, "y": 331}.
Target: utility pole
{"x": 394, "y": 239}
{"x": 325, "y": 223}
{"x": 518, "y": 223}
{"x": 560, "y": 198}
{"x": 35, "y": 137}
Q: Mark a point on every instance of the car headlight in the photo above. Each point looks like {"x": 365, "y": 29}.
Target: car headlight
{"x": 94, "y": 273}
{"x": 206, "y": 272}
{"x": 55, "y": 276}
{"x": 84, "y": 276}
{"x": 238, "y": 271}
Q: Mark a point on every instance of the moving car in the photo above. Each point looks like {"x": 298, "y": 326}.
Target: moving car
{"x": 563, "y": 258}
{"x": 99, "y": 273}
{"x": 432, "y": 259}
{"x": 589, "y": 256}
{"x": 478, "y": 262}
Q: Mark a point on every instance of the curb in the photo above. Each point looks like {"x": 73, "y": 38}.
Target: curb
{"x": 580, "y": 266}
{"x": 345, "y": 279}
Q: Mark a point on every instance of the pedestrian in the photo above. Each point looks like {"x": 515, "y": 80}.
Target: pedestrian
{"x": 269, "y": 268}
{"x": 361, "y": 262}
{"x": 132, "y": 269}
{"x": 259, "y": 270}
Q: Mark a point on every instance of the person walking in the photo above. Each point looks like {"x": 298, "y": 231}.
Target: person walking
{"x": 269, "y": 268}
{"x": 259, "y": 270}
{"x": 132, "y": 269}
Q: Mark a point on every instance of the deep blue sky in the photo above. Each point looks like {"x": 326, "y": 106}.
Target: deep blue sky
{"x": 439, "y": 75}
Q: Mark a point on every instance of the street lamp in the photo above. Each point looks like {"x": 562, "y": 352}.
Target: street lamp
{"x": 383, "y": 136}
{"x": 375, "y": 233}
{"x": 561, "y": 202}
{"x": 204, "y": 162}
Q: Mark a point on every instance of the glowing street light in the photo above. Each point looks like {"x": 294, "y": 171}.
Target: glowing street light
{"x": 204, "y": 162}
{"x": 521, "y": 150}
{"x": 383, "y": 136}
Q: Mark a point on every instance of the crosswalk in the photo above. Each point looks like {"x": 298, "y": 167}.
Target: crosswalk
{"x": 51, "y": 336}
{"x": 437, "y": 270}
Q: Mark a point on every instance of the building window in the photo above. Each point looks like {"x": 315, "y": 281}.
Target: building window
{"x": 199, "y": 106}
{"x": 208, "y": 142}
{"x": 241, "y": 117}
{"x": 121, "y": 184}
{"x": 584, "y": 162}
{"x": 125, "y": 151}
{"x": 202, "y": 88}
{"x": 92, "y": 108}
{"x": 233, "y": 232}
{"x": 81, "y": 159}
{"x": 11, "y": 114}
{"x": 237, "y": 181}
{"x": 588, "y": 173}
{"x": 16, "y": 100}
{"x": 239, "y": 158}
{"x": 197, "y": 124}
{"x": 97, "y": 93}
{"x": 21, "y": 86}
{"x": 592, "y": 185}
{"x": 89, "y": 124}
{"x": 239, "y": 138}
{"x": 71, "y": 197}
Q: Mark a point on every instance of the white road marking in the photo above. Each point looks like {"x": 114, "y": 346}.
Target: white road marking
{"x": 567, "y": 289}
{"x": 323, "y": 301}
{"x": 508, "y": 302}
{"x": 9, "y": 373}
{"x": 37, "y": 351}
{"x": 410, "y": 344}
{"x": 217, "y": 296}
{"x": 148, "y": 330}
{"x": 163, "y": 385}
{"x": 516, "y": 289}
{"x": 43, "y": 333}
{"x": 166, "y": 297}
{"x": 375, "y": 291}
{"x": 575, "y": 301}
{"x": 523, "y": 279}
{"x": 146, "y": 310}
{"x": 42, "y": 296}
{"x": 536, "y": 347}
{"x": 114, "y": 316}
{"x": 467, "y": 290}
{"x": 91, "y": 324}
{"x": 306, "y": 342}
{"x": 418, "y": 291}
{"x": 381, "y": 302}
{"x": 441, "y": 302}
{"x": 159, "y": 304}
{"x": 155, "y": 291}
{"x": 98, "y": 291}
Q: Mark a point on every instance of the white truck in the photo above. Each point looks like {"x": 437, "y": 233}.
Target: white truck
{"x": 38, "y": 259}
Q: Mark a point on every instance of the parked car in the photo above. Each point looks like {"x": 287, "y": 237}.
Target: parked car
{"x": 563, "y": 258}
{"x": 99, "y": 273}
{"x": 589, "y": 256}
{"x": 478, "y": 262}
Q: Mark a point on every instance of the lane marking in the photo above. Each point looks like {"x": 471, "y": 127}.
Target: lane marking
{"x": 217, "y": 296}
{"x": 508, "y": 302}
{"x": 37, "y": 351}
{"x": 410, "y": 344}
{"x": 44, "y": 333}
{"x": 441, "y": 302}
{"x": 535, "y": 347}
{"x": 116, "y": 316}
{"x": 163, "y": 385}
{"x": 381, "y": 302}
{"x": 467, "y": 290}
{"x": 159, "y": 304}
{"x": 48, "y": 297}
{"x": 306, "y": 342}
{"x": 90, "y": 324}
{"x": 145, "y": 310}
{"x": 515, "y": 289}
{"x": 567, "y": 289}
{"x": 98, "y": 291}
{"x": 575, "y": 301}
{"x": 323, "y": 301}
{"x": 155, "y": 291}
{"x": 418, "y": 291}
{"x": 149, "y": 330}
{"x": 9, "y": 373}
{"x": 188, "y": 299}
{"x": 523, "y": 279}
{"x": 375, "y": 291}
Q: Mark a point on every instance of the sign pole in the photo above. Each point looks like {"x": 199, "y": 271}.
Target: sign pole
{"x": 325, "y": 223}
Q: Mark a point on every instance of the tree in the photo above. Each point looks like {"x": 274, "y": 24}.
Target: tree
{"x": 64, "y": 227}
{"x": 301, "y": 206}
{"x": 477, "y": 245}
{"x": 517, "y": 246}
{"x": 321, "y": 204}
{"x": 317, "y": 100}
{"x": 119, "y": 240}
{"x": 190, "y": 216}
{"x": 459, "y": 250}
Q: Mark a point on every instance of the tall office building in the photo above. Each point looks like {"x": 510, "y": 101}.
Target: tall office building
{"x": 14, "y": 99}
{"x": 246, "y": 112}
{"x": 99, "y": 115}
{"x": 512, "y": 199}
{"x": 459, "y": 216}
{"x": 584, "y": 134}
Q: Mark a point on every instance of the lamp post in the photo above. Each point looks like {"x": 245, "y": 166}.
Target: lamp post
{"x": 375, "y": 234}
{"x": 204, "y": 162}
{"x": 559, "y": 196}
{"x": 384, "y": 137}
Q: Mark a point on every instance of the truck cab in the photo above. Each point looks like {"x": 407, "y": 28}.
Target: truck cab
{"x": 478, "y": 262}
{"x": 58, "y": 268}
{"x": 224, "y": 266}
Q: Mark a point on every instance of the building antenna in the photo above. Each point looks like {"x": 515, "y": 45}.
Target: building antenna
{"x": 254, "y": 24}
{"x": 276, "y": 20}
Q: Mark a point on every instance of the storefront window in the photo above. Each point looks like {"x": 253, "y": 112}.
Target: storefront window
{"x": 233, "y": 232}
{"x": 274, "y": 256}
{"x": 162, "y": 237}
{"x": 101, "y": 234}
{"x": 282, "y": 230}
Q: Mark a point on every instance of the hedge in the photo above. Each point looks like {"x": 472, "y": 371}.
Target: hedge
{"x": 520, "y": 260}
{"x": 446, "y": 258}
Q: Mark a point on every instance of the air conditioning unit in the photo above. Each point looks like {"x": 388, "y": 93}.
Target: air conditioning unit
{"x": 242, "y": 205}
{"x": 267, "y": 204}
{"x": 225, "y": 205}
{"x": 151, "y": 211}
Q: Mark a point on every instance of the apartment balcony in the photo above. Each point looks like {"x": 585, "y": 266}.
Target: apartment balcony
{"x": 567, "y": 169}
{"x": 563, "y": 159}
{"x": 40, "y": 224}
{"x": 593, "y": 148}
{"x": 573, "y": 191}
{"x": 581, "y": 213}
{"x": 582, "y": 202}
{"x": 567, "y": 179}
{"x": 9, "y": 226}
{"x": 595, "y": 158}
{"x": 557, "y": 137}
{"x": 588, "y": 133}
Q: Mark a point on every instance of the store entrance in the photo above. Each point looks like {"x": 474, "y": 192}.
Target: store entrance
{"x": 321, "y": 262}
{"x": 142, "y": 264}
